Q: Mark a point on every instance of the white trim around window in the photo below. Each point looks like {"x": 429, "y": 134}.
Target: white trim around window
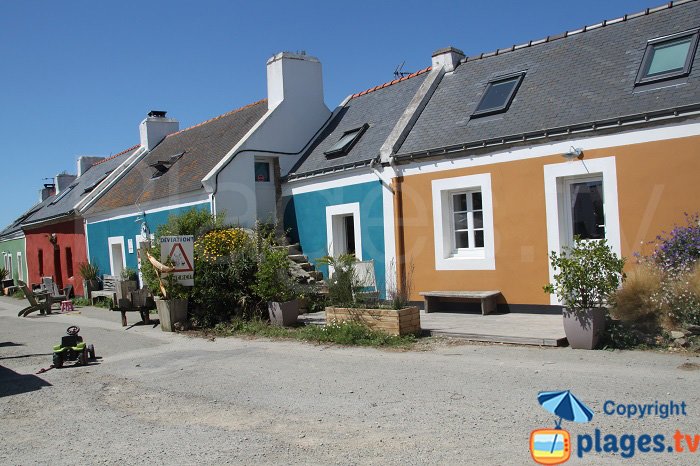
{"x": 447, "y": 255}
{"x": 555, "y": 178}
{"x": 20, "y": 266}
{"x": 343, "y": 210}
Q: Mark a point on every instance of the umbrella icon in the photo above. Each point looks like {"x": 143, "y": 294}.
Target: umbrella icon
{"x": 566, "y": 406}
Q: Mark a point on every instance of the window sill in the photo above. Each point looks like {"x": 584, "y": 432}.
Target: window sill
{"x": 465, "y": 262}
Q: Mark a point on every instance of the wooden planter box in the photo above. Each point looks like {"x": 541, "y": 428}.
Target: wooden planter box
{"x": 394, "y": 322}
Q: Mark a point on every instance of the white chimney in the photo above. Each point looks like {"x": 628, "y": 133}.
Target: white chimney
{"x": 87, "y": 161}
{"x": 62, "y": 181}
{"x": 447, "y": 58}
{"x": 155, "y": 127}
{"x": 294, "y": 77}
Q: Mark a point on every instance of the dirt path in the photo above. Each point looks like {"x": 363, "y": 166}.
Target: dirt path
{"x": 171, "y": 399}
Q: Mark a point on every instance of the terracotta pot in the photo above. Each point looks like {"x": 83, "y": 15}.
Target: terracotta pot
{"x": 585, "y": 328}
{"x": 284, "y": 314}
{"x": 171, "y": 311}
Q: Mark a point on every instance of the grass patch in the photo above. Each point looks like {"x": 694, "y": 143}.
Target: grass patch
{"x": 80, "y": 301}
{"x": 345, "y": 333}
{"x": 19, "y": 294}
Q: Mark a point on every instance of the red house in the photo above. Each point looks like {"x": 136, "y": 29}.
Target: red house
{"x": 55, "y": 232}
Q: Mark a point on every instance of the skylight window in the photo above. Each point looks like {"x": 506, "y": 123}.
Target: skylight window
{"x": 499, "y": 94}
{"x": 95, "y": 184}
{"x": 63, "y": 194}
{"x": 162, "y": 166}
{"x": 346, "y": 141}
{"x": 668, "y": 57}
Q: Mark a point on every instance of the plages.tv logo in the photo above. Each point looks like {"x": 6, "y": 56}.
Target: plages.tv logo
{"x": 553, "y": 446}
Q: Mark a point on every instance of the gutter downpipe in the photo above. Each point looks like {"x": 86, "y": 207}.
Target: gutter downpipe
{"x": 399, "y": 234}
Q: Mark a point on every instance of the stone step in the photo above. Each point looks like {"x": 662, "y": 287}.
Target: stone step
{"x": 308, "y": 267}
{"x": 299, "y": 258}
{"x": 316, "y": 275}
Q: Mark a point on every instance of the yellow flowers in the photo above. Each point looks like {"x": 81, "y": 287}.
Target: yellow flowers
{"x": 220, "y": 243}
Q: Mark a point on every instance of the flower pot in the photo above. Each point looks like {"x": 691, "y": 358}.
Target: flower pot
{"x": 171, "y": 311}
{"x": 284, "y": 314}
{"x": 404, "y": 321}
{"x": 584, "y": 328}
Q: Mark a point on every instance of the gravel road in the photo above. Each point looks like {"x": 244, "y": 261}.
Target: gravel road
{"x": 165, "y": 398}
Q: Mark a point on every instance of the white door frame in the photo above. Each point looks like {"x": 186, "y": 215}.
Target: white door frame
{"x": 334, "y": 232}
{"x": 113, "y": 241}
{"x": 554, "y": 200}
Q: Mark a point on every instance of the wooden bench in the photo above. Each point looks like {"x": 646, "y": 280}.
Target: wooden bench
{"x": 109, "y": 289}
{"x": 487, "y": 299}
{"x": 139, "y": 301}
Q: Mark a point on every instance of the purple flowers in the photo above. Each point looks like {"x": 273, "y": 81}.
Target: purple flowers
{"x": 678, "y": 250}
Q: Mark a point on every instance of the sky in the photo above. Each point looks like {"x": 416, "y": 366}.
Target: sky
{"x": 77, "y": 76}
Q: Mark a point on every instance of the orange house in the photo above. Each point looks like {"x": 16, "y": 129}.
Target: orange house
{"x": 506, "y": 156}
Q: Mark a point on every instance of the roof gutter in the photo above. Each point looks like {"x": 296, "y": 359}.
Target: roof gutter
{"x": 599, "y": 125}
{"x": 50, "y": 220}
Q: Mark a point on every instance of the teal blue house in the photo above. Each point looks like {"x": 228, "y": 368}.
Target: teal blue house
{"x": 339, "y": 198}
{"x": 164, "y": 180}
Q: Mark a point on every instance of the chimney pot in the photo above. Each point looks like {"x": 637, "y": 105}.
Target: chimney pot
{"x": 157, "y": 113}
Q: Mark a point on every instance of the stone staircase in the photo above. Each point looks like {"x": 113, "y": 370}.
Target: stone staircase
{"x": 303, "y": 270}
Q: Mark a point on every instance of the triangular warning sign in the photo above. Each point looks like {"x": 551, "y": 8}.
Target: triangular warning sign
{"x": 179, "y": 259}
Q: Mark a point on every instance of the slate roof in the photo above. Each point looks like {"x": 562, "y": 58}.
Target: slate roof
{"x": 380, "y": 107}
{"x": 13, "y": 229}
{"x": 571, "y": 79}
{"x": 62, "y": 205}
{"x": 202, "y": 147}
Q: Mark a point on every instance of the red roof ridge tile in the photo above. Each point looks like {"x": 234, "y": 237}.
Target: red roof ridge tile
{"x": 391, "y": 83}
{"x": 117, "y": 155}
{"x": 563, "y": 35}
{"x": 219, "y": 117}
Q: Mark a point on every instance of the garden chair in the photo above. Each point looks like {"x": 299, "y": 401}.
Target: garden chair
{"x": 44, "y": 307}
{"x": 365, "y": 281}
{"x": 50, "y": 286}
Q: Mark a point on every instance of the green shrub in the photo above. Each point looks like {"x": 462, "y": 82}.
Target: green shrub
{"x": 4, "y": 274}
{"x": 345, "y": 333}
{"x": 351, "y": 333}
{"x": 342, "y": 283}
{"x": 129, "y": 274}
{"x": 585, "y": 275}
{"x": 225, "y": 266}
{"x": 273, "y": 280}
{"x": 19, "y": 294}
{"x": 80, "y": 301}
{"x": 88, "y": 271}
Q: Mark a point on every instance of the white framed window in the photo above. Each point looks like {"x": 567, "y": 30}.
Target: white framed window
{"x": 20, "y": 266}
{"x": 7, "y": 259}
{"x": 463, "y": 223}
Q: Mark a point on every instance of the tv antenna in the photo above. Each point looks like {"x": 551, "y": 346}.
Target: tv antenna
{"x": 399, "y": 73}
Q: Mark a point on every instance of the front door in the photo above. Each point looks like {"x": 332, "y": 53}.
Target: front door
{"x": 117, "y": 252}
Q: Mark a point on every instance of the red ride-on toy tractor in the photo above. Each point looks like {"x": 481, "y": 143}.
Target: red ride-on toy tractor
{"x": 72, "y": 348}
